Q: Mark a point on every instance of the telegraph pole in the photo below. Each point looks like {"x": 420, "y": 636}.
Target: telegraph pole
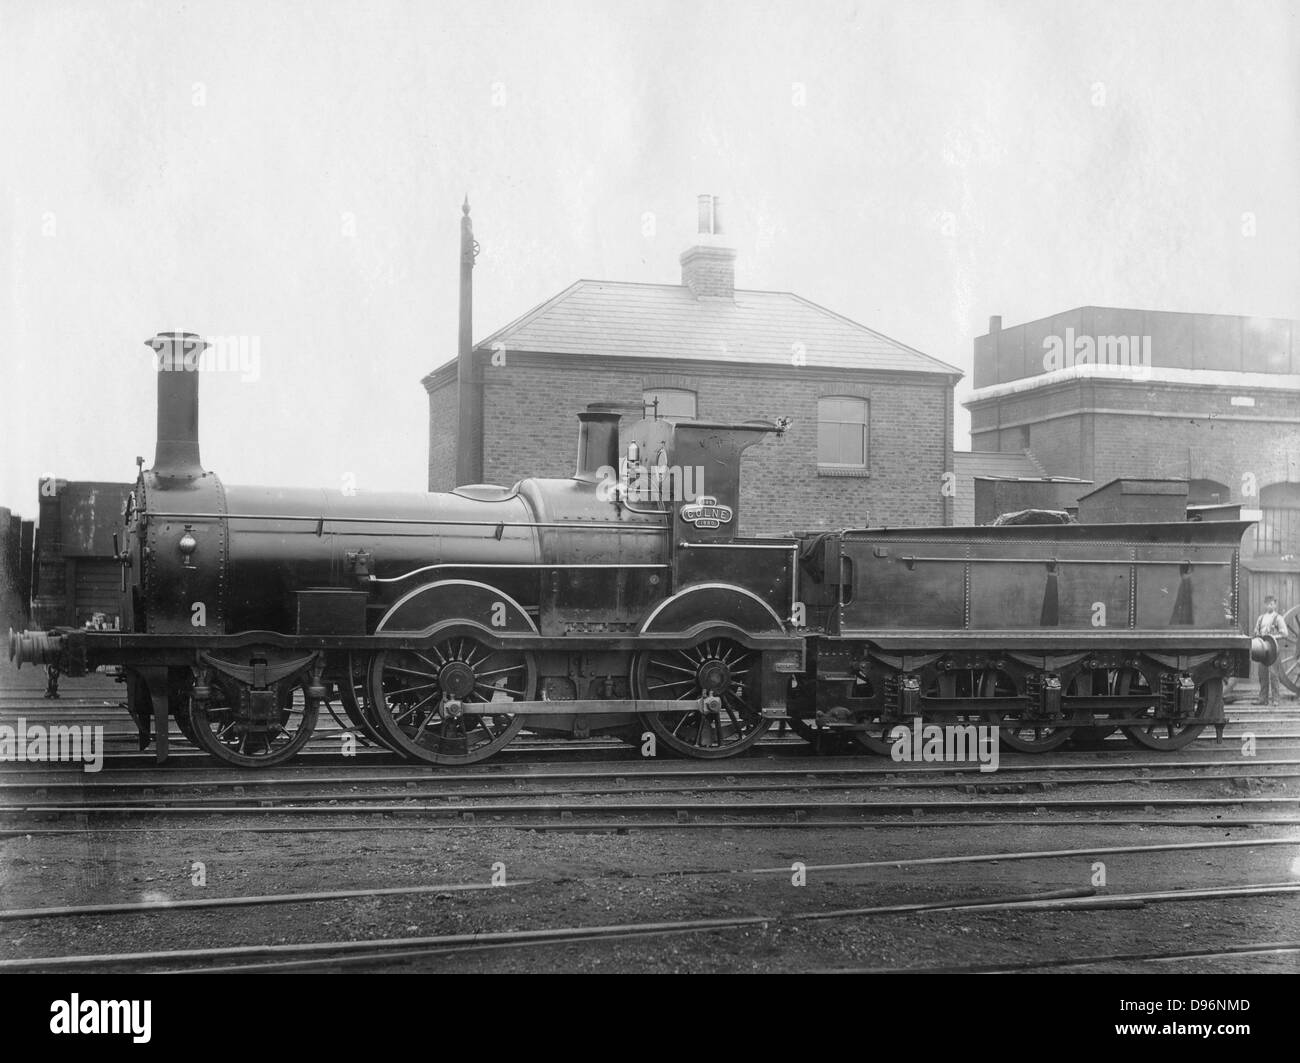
{"x": 468, "y": 454}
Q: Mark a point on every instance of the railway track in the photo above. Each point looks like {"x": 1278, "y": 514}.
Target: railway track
{"x": 623, "y": 815}
{"x": 507, "y": 792}
{"x": 587, "y": 784}
{"x": 325, "y": 750}
{"x": 384, "y": 952}
{"x": 919, "y": 850}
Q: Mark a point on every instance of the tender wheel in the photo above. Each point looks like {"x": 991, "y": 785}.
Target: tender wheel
{"x": 1018, "y": 731}
{"x": 1169, "y": 734}
{"x": 1098, "y": 682}
{"x": 216, "y": 729}
{"x": 1028, "y": 735}
{"x": 824, "y": 743}
{"x": 1091, "y": 737}
{"x": 800, "y": 698}
{"x": 718, "y": 668}
{"x": 417, "y": 699}
{"x": 875, "y": 739}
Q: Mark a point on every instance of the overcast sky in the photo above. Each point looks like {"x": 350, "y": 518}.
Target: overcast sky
{"x": 293, "y": 172}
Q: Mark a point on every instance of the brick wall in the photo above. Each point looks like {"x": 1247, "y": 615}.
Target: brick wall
{"x": 443, "y": 419}
{"x": 1187, "y": 341}
{"x": 531, "y": 430}
{"x": 1152, "y": 430}
{"x": 710, "y": 271}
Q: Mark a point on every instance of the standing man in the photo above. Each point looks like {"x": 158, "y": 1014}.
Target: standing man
{"x": 1270, "y": 622}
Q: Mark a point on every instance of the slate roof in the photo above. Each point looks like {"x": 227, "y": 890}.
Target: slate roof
{"x": 638, "y": 320}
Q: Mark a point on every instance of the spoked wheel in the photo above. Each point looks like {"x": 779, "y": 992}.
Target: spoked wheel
{"x": 718, "y": 667}
{"x": 1098, "y": 682}
{"x": 824, "y": 743}
{"x": 181, "y": 714}
{"x": 1017, "y": 730}
{"x": 875, "y": 739}
{"x": 1091, "y": 737}
{"x": 178, "y": 703}
{"x": 1288, "y": 661}
{"x": 1173, "y": 734}
{"x": 417, "y": 699}
{"x": 355, "y": 696}
{"x": 218, "y": 731}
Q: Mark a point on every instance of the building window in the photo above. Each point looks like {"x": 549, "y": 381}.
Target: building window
{"x": 677, "y": 403}
{"x": 842, "y": 432}
{"x": 1278, "y": 531}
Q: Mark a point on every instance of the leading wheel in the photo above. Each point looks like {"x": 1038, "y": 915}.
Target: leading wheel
{"x": 418, "y": 699}
{"x": 355, "y": 697}
{"x": 216, "y": 728}
{"x": 181, "y": 714}
{"x": 1175, "y": 734}
{"x": 717, "y": 668}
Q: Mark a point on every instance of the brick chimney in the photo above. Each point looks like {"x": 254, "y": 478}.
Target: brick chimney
{"x": 708, "y": 269}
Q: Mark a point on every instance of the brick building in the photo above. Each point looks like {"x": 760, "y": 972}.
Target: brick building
{"x": 1100, "y": 393}
{"x": 872, "y": 419}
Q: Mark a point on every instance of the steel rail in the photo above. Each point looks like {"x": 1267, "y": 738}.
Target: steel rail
{"x": 512, "y": 936}
{"x": 9, "y": 914}
{"x": 389, "y": 950}
{"x": 404, "y": 774}
{"x": 624, "y": 827}
{"x": 817, "y": 767}
{"x": 680, "y": 808}
{"x": 1222, "y": 952}
{"x": 1041, "y": 854}
{"x": 711, "y": 785}
{"x": 134, "y": 907}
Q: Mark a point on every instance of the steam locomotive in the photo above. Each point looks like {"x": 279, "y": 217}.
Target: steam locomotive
{"x": 446, "y": 623}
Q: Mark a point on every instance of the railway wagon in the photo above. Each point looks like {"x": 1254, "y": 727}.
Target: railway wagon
{"x": 621, "y": 600}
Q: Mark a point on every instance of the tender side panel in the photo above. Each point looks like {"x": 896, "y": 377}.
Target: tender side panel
{"x": 1094, "y": 580}
{"x": 1186, "y": 586}
{"x": 904, "y": 583}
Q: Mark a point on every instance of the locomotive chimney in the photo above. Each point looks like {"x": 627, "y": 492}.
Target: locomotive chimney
{"x": 597, "y": 442}
{"x": 177, "y": 356}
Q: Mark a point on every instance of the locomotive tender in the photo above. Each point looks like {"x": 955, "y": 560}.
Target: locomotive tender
{"x": 446, "y": 623}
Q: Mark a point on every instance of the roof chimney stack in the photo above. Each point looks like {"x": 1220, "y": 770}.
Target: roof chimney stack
{"x": 708, "y": 269}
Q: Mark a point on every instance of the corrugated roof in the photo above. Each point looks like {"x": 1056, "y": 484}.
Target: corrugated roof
{"x": 1007, "y": 465}
{"x": 635, "y": 320}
